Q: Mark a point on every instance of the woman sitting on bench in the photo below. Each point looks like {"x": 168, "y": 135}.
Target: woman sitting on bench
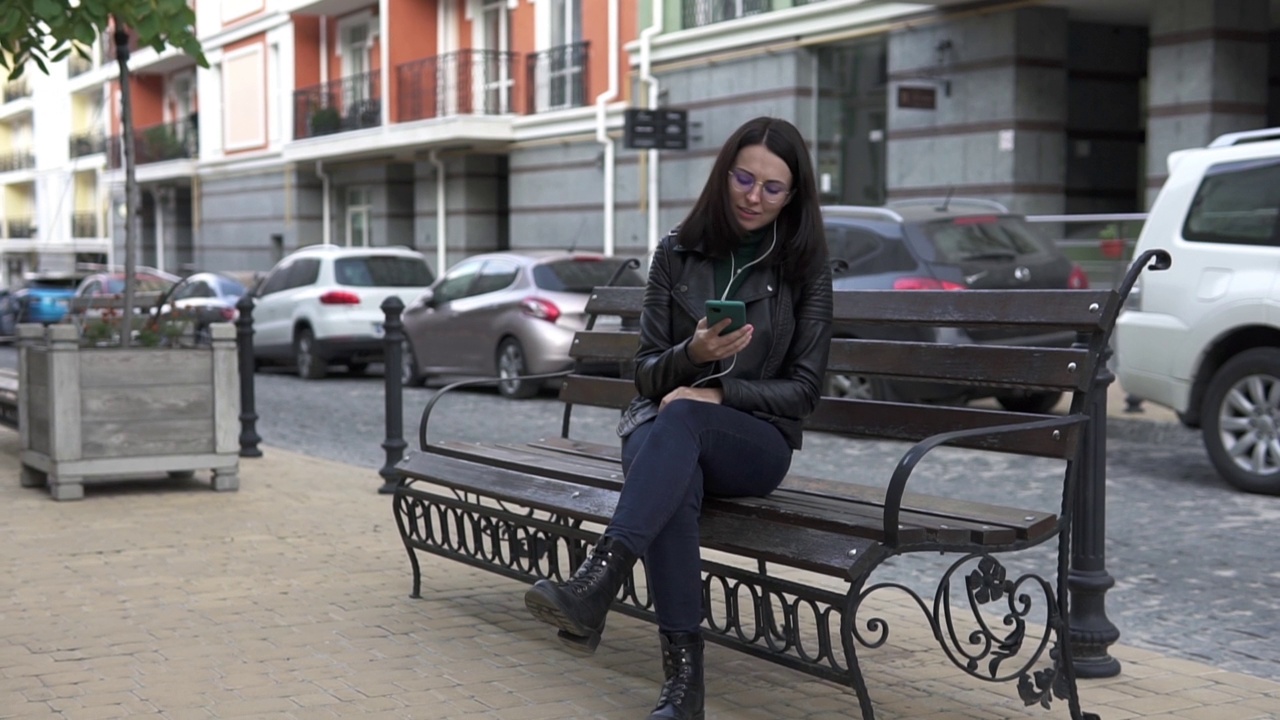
{"x": 719, "y": 411}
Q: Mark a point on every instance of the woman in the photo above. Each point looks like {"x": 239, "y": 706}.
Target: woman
{"x": 717, "y": 414}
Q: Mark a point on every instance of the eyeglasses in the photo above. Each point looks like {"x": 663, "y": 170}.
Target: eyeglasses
{"x": 772, "y": 192}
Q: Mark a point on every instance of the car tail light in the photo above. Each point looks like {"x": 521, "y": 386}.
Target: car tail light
{"x": 1077, "y": 280}
{"x": 228, "y": 313}
{"x": 541, "y": 309}
{"x": 339, "y": 297}
{"x": 925, "y": 283}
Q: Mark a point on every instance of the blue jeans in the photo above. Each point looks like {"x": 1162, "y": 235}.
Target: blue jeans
{"x": 690, "y": 450}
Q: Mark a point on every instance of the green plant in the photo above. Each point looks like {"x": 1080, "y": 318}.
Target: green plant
{"x": 324, "y": 120}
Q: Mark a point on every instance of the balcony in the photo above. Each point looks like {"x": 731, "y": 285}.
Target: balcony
{"x": 350, "y": 103}
{"x": 157, "y": 143}
{"x": 84, "y": 225}
{"x": 464, "y": 82}
{"x": 17, "y": 160}
{"x": 20, "y": 227}
{"x": 87, "y": 144}
{"x": 696, "y": 13}
{"x": 14, "y": 90}
{"x": 77, "y": 65}
{"x": 557, "y": 78}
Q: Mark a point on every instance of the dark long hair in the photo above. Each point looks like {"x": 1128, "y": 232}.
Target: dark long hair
{"x": 711, "y": 224}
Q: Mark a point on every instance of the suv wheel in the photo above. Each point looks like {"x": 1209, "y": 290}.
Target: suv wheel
{"x": 410, "y": 375}
{"x": 858, "y": 387}
{"x": 310, "y": 365}
{"x": 511, "y": 363}
{"x": 1241, "y": 421}
{"x": 1032, "y": 402}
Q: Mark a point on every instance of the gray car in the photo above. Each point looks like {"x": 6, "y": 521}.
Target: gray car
{"x": 505, "y": 314}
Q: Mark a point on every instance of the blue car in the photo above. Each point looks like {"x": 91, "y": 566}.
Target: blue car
{"x": 45, "y": 300}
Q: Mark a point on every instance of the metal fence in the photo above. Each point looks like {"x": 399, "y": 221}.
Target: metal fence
{"x": 557, "y": 78}
{"x": 350, "y": 103}
{"x": 157, "y": 143}
{"x": 463, "y": 82}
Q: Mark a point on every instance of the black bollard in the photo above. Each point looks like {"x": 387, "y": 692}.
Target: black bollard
{"x": 244, "y": 349}
{"x": 1092, "y": 633}
{"x": 393, "y": 337}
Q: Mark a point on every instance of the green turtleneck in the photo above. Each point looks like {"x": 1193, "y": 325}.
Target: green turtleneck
{"x": 748, "y": 249}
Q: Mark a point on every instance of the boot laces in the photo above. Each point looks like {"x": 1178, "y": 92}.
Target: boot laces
{"x": 678, "y": 685}
{"x": 591, "y": 572}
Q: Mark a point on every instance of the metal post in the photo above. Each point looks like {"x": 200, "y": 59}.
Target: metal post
{"x": 244, "y": 346}
{"x": 393, "y": 337}
{"x": 1088, "y": 580}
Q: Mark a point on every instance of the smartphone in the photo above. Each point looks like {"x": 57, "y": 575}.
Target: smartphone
{"x": 718, "y": 310}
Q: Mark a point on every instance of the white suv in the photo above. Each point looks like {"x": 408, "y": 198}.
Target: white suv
{"x": 322, "y": 305}
{"x": 1203, "y": 337}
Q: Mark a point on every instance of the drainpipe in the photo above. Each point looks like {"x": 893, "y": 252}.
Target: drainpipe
{"x": 441, "y": 246}
{"x": 646, "y": 76}
{"x": 602, "y": 136}
{"x": 324, "y": 201}
{"x": 384, "y": 50}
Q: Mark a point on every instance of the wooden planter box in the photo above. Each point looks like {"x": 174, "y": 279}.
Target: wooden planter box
{"x": 88, "y": 414}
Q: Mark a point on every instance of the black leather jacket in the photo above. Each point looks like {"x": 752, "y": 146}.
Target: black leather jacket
{"x": 778, "y": 377}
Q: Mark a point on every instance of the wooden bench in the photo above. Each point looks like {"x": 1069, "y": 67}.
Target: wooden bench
{"x": 790, "y": 572}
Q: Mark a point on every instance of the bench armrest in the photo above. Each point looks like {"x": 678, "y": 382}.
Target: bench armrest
{"x": 478, "y": 382}
{"x": 913, "y": 456}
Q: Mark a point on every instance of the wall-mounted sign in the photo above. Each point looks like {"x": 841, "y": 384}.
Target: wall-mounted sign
{"x": 917, "y": 97}
{"x": 656, "y": 129}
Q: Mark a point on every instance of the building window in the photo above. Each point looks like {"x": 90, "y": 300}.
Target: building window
{"x": 359, "y": 201}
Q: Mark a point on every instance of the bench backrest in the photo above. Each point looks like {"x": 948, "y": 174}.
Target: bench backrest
{"x": 1088, "y": 314}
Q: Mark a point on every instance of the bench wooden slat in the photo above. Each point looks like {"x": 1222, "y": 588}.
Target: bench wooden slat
{"x": 604, "y": 345}
{"x": 1025, "y": 524}
{"x": 904, "y": 421}
{"x": 605, "y": 392}
{"x": 848, "y": 509}
{"x": 624, "y": 302}
{"x": 1067, "y": 369}
{"x": 1080, "y": 310}
{"x": 805, "y": 548}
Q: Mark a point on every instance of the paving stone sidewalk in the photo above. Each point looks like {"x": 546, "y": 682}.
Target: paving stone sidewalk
{"x": 289, "y": 599}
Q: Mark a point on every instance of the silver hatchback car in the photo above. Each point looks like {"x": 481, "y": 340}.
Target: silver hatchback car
{"x": 505, "y": 315}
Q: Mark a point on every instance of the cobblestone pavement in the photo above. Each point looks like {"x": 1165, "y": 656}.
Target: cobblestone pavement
{"x": 1193, "y": 559}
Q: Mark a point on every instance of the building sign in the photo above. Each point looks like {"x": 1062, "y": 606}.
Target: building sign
{"x": 656, "y": 130}
{"x": 917, "y": 97}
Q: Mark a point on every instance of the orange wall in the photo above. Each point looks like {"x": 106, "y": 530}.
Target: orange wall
{"x": 412, "y": 30}
{"x": 595, "y": 29}
{"x": 306, "y": 51}
{"x": 522, "y": 42}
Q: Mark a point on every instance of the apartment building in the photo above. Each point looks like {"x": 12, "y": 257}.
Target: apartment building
{"x": 461, "y": 126}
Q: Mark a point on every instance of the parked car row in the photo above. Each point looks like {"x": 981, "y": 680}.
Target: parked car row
{"x": 511, "y": 314}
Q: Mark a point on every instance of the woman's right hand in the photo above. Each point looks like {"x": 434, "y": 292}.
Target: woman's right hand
{"x": 708, "y": 345}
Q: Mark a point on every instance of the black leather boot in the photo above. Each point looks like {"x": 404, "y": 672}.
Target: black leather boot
{"x": 683, "y": 693}
{"x": 579, "y": 607}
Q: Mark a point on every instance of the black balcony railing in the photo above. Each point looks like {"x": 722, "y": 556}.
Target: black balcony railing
{"x": 557, "y": 78}
{"x": 84, "y": 225}
{"x": 464, "y": 82}
{"x": 19, "y": 227}
{"x": 696, "y": 13}
{"x": 350, "y": 103}
{"x": 15, "y": 90}
{"x": 157, "y": 143}
{"x": 87, "y": 144}
{"x": 17, "y": 160}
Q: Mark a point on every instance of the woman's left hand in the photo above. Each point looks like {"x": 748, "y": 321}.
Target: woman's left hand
{"x": 708, "y": 395}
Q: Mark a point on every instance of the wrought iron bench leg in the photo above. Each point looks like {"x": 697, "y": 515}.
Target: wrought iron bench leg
{"x": 847, "y": 622}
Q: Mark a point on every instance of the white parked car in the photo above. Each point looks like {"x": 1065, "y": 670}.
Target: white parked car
{"x": 1203, "y": 337}
{"x": 321, "y": 305}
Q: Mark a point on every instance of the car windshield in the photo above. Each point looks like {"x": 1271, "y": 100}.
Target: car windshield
{"x": 228, "y": 286}
{"x": 382, "y": 271}
{"x": 581, "y": 274}
{"x": 984, "y": 237}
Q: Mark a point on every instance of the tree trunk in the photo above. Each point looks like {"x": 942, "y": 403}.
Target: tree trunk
{"x": 132, "y": 198}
